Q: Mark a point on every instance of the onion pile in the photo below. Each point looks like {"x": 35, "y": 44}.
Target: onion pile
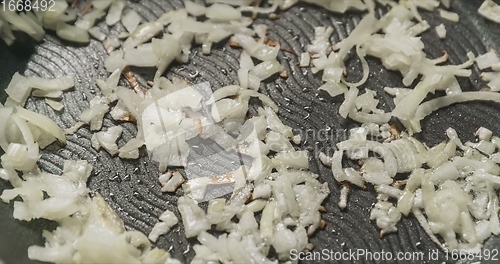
{"x": 454, "y": 189}
{"x": 276, "y": 202}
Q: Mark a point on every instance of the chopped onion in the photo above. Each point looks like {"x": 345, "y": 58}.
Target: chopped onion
{"x": 448, "y": 15}
{"x": 54, "y": 104}
{"x": 55, "y": 84}
{"x": 193, "y": 217}
{"x": 222, "y": 12}
{"x": 72, "y": 33}
{"x": 131, "y": 20}
{"x": 42, "y": 122}
{"x": 487, "y": 60}
{"x": 194, "y": 9}
{"x": 18, "y": 89}
{"x": 115, "y": 12}
{"x": 97, "y": 34}
{"x": 441, "y": 31}
{"x": 490, "y": 10}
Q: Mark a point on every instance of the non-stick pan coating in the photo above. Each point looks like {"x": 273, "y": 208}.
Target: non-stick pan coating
{"x": 131, "y": 187}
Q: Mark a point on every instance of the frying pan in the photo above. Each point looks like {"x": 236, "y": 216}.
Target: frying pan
{"x": 131, "y": 187}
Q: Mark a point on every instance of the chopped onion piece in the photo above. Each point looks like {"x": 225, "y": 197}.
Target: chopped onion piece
{"x": 194, "y": 9}
{"x": 490, "y": 10}
{"x": 18, "y": 89}
{"x": 487, "y": 60}
{"x": 107, "y": 139}
{"x": 430, "y": 106}
{"x": 55, "y": 84}
{"x": 131, "y": 20}
{"x": 222, "y": 12}
{"x": 115, "y": 12}
{"x": 193, "y": 217}
{"x": 72, "y": 33}
{"x": 448, "y": 15}
{"x": 42, "y": 122}
{"x": 97, "y": 34}
{"x": 54, "y": 104}
{"x": 441, "y": 31}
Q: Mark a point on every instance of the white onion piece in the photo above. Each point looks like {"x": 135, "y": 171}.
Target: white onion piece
{"x": 142, "y": 33}
{"x": 405, "y": 202}
{"x": 83, "y": 24}
{"x": 131, "y": 149}
{"x": 340, "y": 6}
{"x": 366, "y": 27}
{"x": 72, "y": 33}
{"x": 194, "y": 9}
{"x": 493, "y": 79}
{"x": 47, "y": 94}
{"x": 55, "y": 84}
{"x": 487, "y": 60}
{"x": 42, "y": 122}
{"x": 364, "y": 64}
{"x": 223, "y": 92}
{"x": 222, "y": 12}
{"x": 35, "y": 25}
{"x": 256, "y": 49}
{"x": 448, "y": 15}
{"x": 261, "y": 10}
{"x": 193, "y": 217}
{"x": 101, "y": 4}
{"x": 430, "y": 106}
{"x": 305, "y": 59}
{"x": 386, "y": 216}
{"x": 5, "y": 114}
{"x": 142, "y": 57}
{"x": 344, "y": 191}
{"x": 173, "y": 183}
{"x": 131, "y": 20}
{"x": 418, "y": 28}
{"x": 349, "y": 102}
{"x": 294, "y": 159}
{"x": 168, "y": 220}
{"x": 483, "y": 133}
{"x": 51, "y": 16}
{"x": 109, "y": 86}
{"x": 94, "y": 115}
{"x": 354, "y": 177}
{"x": 107, "y": 139}
{"x": 97, "y": 34}
{"x": 18, "y": 89}
{"x": 15, "y": 19}
{"x": 408, "y": 105}
{"x": 320, "y": 45}
{"x": 123, "y": 35}
{"x": 94, "y": 15}
{"x": 166, "y": 49}
{"x": 54, "y": 104}
{"x": 377, "y": 178}
{"x": 115, "y": 61}
{"x": 334, "y": 88}
{"x": 441, "y": 31}
{"x": 115, "y": 12}
{"x": 490, "y": 10}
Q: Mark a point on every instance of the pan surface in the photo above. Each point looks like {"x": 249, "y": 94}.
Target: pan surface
{"x": 131, "y": 187}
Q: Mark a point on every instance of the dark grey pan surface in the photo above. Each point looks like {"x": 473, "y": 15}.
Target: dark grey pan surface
{"x": 131, "y": 187}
